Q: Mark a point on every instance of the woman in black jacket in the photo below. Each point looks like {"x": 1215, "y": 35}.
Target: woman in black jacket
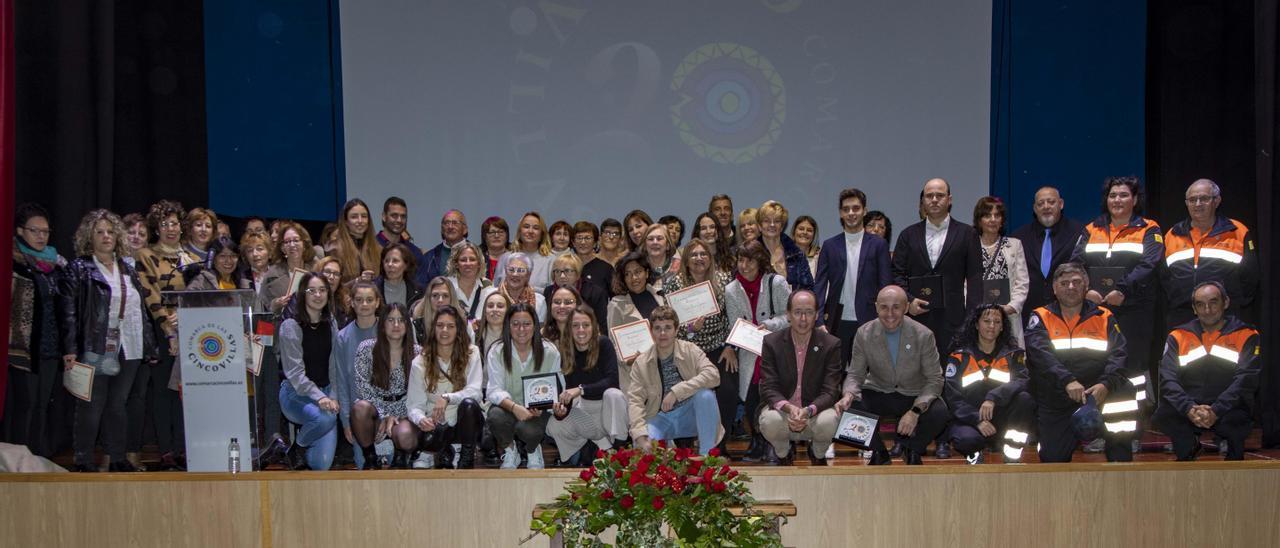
{"x": 105, "y": 324}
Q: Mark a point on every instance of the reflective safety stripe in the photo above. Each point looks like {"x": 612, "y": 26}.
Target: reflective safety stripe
{"x": 1096, "y": 248}
{"x": 1195, "y": 354}
{"x": 1131, "y": 247}
{"x": 1142, "y": 395}
{"x": 1122, "y": 426}
{"x": 1012, "y": 453}
{"x": 1014, "y": 435}
{"x": 1113, "y": 407}
{"x": 1215, "y": 253}
{"x": 1225, "y": 353}
{"x": 1140, "y": 379}
{"x": 998, "y": 375}
{"x": 1179, "y": 256}
{"x": 1079, "y": 343}
{"x": 971, "y": 378}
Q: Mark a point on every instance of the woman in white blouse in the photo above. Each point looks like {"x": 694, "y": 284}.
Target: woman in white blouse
{"x": 464, "y": 272}
{"x": 445, "y": 416}
{"x": 521, "y": 353}
{"x": 381, "y": 374}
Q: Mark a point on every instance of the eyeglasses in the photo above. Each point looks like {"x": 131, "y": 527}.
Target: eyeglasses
{"x": 521, "y": 325}
{"x": 317, "y": 291}
{"x": 291, "y": 242}
{"x": 170, "y": 224}
{"x": 804, "y": 313}
{"x": 502, "y": 233}
{"x": 331, "y": 274}
{"x": 517, "y": 270}
{"x": 451, "y": 222}
{"x": 1198, "y": 200}
{"x": 563, "y": 271}
{"x": 38, "y": 231}
{"x": 611, "y": 234}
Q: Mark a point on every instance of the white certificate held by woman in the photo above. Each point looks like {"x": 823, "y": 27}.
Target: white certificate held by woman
{"x": 631, "y": 339}
{"x": 747, "y": 336}
{"x": 694, "y": 302}
{"x": 79, "y": 380}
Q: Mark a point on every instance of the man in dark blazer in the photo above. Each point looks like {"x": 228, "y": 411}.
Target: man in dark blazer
{"x": 944, "y": 247}
{"x": 841, "y": 313}
{"x": 1062, "y": 234}
{"x": 893, "y": 373}
{"x": 800, "y": 372}
{"x": 453, "y": 229}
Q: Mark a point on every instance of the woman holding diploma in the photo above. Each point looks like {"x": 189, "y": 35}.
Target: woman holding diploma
{"x": 521, "y": 353}
{"x": 757, "y": 295}
{"x": 515, "y": 285}
{"x": 464, "y": 272}
{"x": 635, "y": 300}
{"x": 591, "y": 407}
{"x": 381, "y": 377}
{"x": 307, "y": 395}
{"x": 358, "y": 250}
{"x": 294, "y": 254}
{"x": 105, "y": 325}
{"x": 709, "y": 332}
{"x": 445, "y": 416}
{"x": 1002, "y": 259}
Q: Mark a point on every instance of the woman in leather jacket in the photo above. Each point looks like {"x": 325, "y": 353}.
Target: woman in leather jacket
{"x": 105, "y": 324}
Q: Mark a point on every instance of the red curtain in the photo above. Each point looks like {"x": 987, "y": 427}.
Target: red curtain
{"x": 6, "y": 175}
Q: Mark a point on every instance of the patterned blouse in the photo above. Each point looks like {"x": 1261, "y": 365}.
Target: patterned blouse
{"x": 715, "y": 329}
{"x": 161, "y": 270}
{"x": 390, "y": 402}
{"x": 994, "y": 265}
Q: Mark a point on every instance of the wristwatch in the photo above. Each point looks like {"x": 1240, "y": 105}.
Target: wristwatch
{"x": 917, "y": 410}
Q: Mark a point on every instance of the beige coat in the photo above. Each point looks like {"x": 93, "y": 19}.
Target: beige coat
{"x": 644, "y": 394}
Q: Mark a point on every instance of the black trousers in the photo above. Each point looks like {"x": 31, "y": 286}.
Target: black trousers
{"x": 136, "y": 408}
{"x": 166, "y": 407}
{"x": 266, "y": 396}
{"x": 106, "y": 410}
{"x": 29, "y": 406}
{"x": 466, "y": 432}
{"x": 727, "y": 392}
{"x": 1018, "y": 416}
{"x": 1058, "y": 440}
{"x": 1234, "y": 426}
{"x": 505, "y": 428}
{"x": 845, "y": 332}
{"x": 893, "y": 405}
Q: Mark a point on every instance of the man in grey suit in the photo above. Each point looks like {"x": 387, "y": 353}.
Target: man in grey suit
{"x": 893, "y": 372}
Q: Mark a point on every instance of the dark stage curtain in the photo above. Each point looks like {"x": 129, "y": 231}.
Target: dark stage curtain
{"x": 6, "y": 172}
{"x": 110, "y": 109}
{"x": 1266, "y": 63}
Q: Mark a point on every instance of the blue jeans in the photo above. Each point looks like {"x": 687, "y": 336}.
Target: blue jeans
{"x": 699, "y": 416}
{"x": 319, "y": 432}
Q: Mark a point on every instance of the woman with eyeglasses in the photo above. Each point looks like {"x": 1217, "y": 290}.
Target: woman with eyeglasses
{"x": 463, "y": 272}
{"x": 612, "y": 244}
{"x": 592, "y": 407}
{"x": 567, "y": 272}
{"x": 381, "y": 390}
{"x": 160, "y": 267}
{"x": 595, "y": 270}
{"x": 340, "y": 298}
{"x": 785, "y": 256}
{"x": 522, "y": 352}
{"x": 636, "y": 300}
{"x": 34, "y": 353}
{"x": 366, "y": 303}
{"x": 398, "y": 282}
{"x": 294, "y": 255}
{"x": 495, "y": 242}
{"x": 710, "y": 332}
{"x": 308, "y": 395}
{"x": 445, "y": 415}
{"x": 104, "y": 325}
{"x": 534, "y": 243}
{"x": 758, "y": 295}
{"x": 515, "y": 285}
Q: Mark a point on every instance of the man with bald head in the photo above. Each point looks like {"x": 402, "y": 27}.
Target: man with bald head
{"x": 1208, "y": 247}
{"x": 893, "y": 372}
{"x": 1048, "y": 240}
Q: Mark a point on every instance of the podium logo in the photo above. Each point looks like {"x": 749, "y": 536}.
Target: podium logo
{"x": 211, "y": 347}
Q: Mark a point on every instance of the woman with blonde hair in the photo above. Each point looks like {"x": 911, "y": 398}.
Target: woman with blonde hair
{"x": 785, "y": 256}
{"x": 199, "y": 227}
{"x": 748, "y": 226}
{"x": 659, "y": 250}
{"x": 534, "y": 242}
{"x": 466, "y": 273}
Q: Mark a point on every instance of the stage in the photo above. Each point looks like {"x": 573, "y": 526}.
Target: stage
{"x": 1086, "y": 504}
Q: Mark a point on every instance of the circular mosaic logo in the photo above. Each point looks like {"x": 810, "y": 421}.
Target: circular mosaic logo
{"x": 731, "y": 103}
{"x": 212, "y": 347}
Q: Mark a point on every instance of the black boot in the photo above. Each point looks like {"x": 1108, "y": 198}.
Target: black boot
{"x": 880, "y": 457}
{"x": 444, "y": 458}
{"x": 370, "y": 458}
{"x": 467, "y": 460}
{"x": 756, "y": 451}
{"x": 909, "y": 456}
{"x": 277, "y": 451}
{"x": 400, "y": 460}
{"x": 297, "y": 458}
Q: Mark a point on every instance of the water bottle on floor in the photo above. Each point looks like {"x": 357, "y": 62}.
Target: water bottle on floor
{"x": 233, "y": 456}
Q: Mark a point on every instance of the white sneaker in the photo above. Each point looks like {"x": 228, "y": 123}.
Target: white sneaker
{"x": 426, "y": 461}
{"x": 1098, "y": 445}
{"x": 511, "y": 458}
{"x": 535, "y": 459}
{"x": 831, "y": 452}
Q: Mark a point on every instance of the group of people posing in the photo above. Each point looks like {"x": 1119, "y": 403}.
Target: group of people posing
{"x": 965, "y": 338}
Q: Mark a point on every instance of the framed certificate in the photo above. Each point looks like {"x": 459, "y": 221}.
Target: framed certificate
{"x": 857, "y": 428}
{"x": 254, "y": 361}
{"x": 694, "y": 302}
{"x": 79, "y": 380}
{"x": 747, "y": 336}
{"x": 928, "y": 288}
{"x": 295, "y": 278}
{"x": 541, "y": 391}
{"x": 995, "y": 291}
{"x": 631, "y": 339}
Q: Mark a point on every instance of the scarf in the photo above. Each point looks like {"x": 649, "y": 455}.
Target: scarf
{"x": 752, "y": 289}
{"x": 44, "y": 260}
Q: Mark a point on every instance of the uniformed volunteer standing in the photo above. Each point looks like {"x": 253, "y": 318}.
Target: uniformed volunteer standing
{"x": 1208, "y": 247}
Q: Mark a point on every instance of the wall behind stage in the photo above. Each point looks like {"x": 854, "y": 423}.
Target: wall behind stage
{"x": 585, "y": 110}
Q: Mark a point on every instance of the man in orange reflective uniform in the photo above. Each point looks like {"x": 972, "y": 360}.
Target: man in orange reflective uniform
{"x": 1208, "y": 247}
{"x": 1208, "y": 377}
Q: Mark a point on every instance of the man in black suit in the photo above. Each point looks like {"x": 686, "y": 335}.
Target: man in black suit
{"x": 938, "y": 246}
{"x": 800, "y": 372}
{"x": 453, "y": 229}
{"x": 1050, "y": 236}
{"x": 842, "y": 312}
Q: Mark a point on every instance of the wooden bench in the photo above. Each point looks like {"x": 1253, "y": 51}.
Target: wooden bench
{"x": 780, "y": 508}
